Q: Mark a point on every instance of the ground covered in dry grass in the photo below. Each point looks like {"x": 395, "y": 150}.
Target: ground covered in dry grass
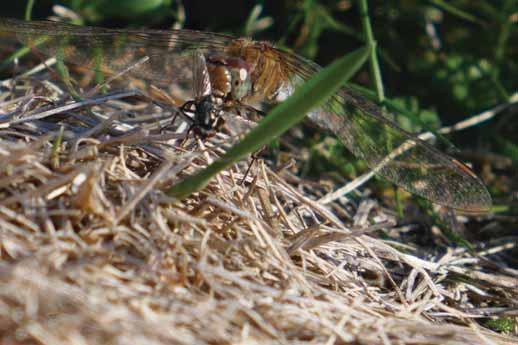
{"x": 94, "y": 251}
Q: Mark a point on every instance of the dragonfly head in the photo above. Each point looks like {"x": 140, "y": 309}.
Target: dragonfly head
{"x": 230, "y": 76}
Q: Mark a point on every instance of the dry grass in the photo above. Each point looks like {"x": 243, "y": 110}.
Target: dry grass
{"x": 93, "y": 250}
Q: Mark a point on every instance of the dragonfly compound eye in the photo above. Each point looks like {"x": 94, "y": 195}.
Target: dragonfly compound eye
{"x": 241, "y": 85}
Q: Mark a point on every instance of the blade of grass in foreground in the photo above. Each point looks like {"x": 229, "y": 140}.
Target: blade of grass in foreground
{"x": 284, "y": 116}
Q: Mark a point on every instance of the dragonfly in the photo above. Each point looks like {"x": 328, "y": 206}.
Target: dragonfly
{"x": 226, "y": 73}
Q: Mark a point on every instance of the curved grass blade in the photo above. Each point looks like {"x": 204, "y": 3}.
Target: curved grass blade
{"x": 284, "y": 116}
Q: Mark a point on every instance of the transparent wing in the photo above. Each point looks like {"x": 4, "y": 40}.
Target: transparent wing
{"x": 390, "y": 151}
{"x": 200, "y": 76}
{"x": 168, "y": 53}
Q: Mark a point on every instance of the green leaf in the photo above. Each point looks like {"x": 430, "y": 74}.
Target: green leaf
{"x": 284, "y": 116}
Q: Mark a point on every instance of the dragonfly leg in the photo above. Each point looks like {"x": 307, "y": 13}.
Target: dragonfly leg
{"x": 206, "y": 119}
{"x": 187, "y": 107}
{"x": 255, "y": 157}
{"x": 202, "y": 132}
{"x": 218, "y": 123}
{"x": 183, "y": 111}
{"x": 189, "y": 130}
{"x": 249, "y": 110}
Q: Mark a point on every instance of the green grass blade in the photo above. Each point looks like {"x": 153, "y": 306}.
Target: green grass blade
{"x": 22, "y": 52}
{"x": 28, "y": 9}
{"x": 375, "y": 69}
{"x": 284, "y": 116}
{"x": 454, "y": 11}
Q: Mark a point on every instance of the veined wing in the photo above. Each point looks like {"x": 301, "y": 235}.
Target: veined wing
{"x": 200, "y": 76}
{"x": 169, "y": 53}
{"x": 390, "y": 151}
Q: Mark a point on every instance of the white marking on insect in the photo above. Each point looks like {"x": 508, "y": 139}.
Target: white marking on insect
{"x": 243, "y": 74}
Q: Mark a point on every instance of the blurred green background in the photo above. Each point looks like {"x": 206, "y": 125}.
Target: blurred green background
{"x": 441, "y": 61}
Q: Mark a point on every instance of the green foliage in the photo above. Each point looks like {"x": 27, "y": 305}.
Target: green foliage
{"x": 411, "y": 117}
{"x": 309, "y": 19}
{"x": 329, "y": 157}
{"x": 504, "y": 324}
{"x": 463, "y": 76}
{"x": 451, "y": 59}
{"x": 97, "y": 10}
